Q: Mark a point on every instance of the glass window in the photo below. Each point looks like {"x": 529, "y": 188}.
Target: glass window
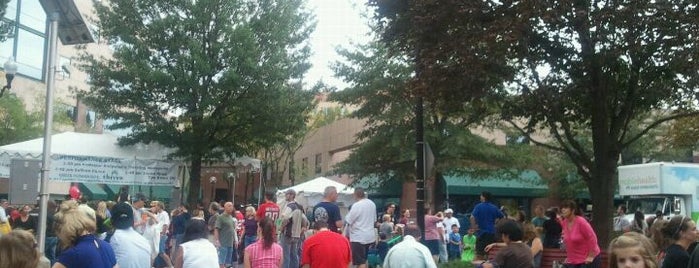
{"x": 6, "y": 49}
{"x": 30, "y": 54}
{"x": 32, "y": 15}
{"x": 11, "y": 11}
{"x": 319, "y": 163}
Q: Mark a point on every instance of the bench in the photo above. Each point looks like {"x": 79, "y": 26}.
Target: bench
{"x": 553, "y": 254}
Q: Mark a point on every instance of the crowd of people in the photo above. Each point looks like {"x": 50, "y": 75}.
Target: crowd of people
{"x": 133, "y": 232}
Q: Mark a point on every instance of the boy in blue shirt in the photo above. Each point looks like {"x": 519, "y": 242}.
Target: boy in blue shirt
{"x": 454, "y": 246}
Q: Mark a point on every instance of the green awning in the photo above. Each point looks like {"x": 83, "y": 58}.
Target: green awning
{"x": 93, "y": 191}
{"x": 112, "y": 189}
{"x": 160, "y": 193}
{"x": 528, "y": 184}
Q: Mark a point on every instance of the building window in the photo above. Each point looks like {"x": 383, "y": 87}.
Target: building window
{"x": 32, "y": 15}
{"x": 319, "y": 163}
{"x": 304, "y": 166}
{"x": 27, "y": 39}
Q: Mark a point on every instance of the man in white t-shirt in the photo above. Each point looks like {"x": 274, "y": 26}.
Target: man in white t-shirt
{"x": 161, "y": 228}
{"x": 131, "y": 249}
{"x": 409, "y": 252}
{"x": 139, "y": 222}
{"x": 620, "y": 223}
{"x": 361, "y": 219}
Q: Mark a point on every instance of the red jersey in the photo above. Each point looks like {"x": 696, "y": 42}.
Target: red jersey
{"x": 268, "y": 209}
{"x": 326, "y": 249}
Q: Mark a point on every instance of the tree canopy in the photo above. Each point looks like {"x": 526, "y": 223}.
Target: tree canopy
{"x": 211, "y": 78}
{"x": 380, "y": 89}
{"x": 581, "y": 71}
{"x": 16, "y": 123}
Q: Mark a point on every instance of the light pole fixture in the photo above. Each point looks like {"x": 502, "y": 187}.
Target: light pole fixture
{"x": 213, "y": 180}
{"x": 10, "y": 67}
{"x": 66, "y": 23}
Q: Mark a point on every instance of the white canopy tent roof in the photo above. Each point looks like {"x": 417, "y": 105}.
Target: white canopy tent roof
{"x": 93, "y": 145}
{"x": 85, "y": 144}
{"x": 310, "y": 193}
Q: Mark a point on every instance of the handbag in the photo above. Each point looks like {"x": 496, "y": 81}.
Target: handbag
{"x": 5, "y": 228}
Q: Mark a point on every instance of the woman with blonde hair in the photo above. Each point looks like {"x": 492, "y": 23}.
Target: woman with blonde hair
{"x": 632, "y": 250}
{"x": 17, "y": 250}
{"x": 101, "y": 217}
{"x": 80, "y": 247}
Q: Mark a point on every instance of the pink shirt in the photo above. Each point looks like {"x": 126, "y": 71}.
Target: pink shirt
{"x": 431, "y": 232}
{"x": 264, "y": 258}
{"x": 579, "y": 239}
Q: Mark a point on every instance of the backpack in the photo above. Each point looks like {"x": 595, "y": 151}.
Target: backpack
{"x": 295, "y": 209}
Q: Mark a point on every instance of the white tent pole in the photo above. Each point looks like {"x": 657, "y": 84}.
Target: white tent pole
{"x": 259, "y": 191}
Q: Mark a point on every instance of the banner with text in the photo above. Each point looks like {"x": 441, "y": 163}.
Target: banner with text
{"x": 91, "y": 169}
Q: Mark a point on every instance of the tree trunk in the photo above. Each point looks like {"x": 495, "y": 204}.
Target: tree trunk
{"x": 602, "y": 188}
{"x": 194, "y": 181}
{"x": 292, "y": 172}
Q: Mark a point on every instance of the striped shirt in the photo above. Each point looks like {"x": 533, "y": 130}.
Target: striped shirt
{"x": 264, "y": 258}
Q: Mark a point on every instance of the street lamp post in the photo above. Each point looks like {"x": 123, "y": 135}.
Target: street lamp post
{"x": 66, "y": 23}
{"x": 212, "y": 180}
{"x": 10, "y": 67}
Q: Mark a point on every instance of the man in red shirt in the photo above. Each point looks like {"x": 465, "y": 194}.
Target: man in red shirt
{"x": 268, "y": 208}
{"x": 325, "y": 249}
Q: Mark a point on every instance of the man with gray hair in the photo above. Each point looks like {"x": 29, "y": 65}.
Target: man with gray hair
{"x": 327, "y": 211}
{"x": 409, "y": 252}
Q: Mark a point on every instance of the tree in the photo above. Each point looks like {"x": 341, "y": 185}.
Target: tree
{"x": 210, "y": 78}
{"x": 16, "y": 123}
{"x": 578, "y": 67}
{"x": 380, "y": 88}
{"x": 5, "y": 28}
{"x": 683, "y": 133}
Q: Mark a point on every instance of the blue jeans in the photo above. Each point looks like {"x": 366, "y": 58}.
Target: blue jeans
{"x": 443, "y": 255}
{"x": 50, "y": 248}
{"x": 248, "y": 240}
{"x": 225, "y": 255}
{"x": 290, "y": 248}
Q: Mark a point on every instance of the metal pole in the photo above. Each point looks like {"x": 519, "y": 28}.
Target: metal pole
{"x": 259, "y": 190}
{"x": 235, "y": 177}
{"x": 48, "y": 120}
{"x": 420, "y": 164}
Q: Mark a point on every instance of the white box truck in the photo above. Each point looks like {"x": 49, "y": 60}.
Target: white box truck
{"x": 672, "y": 188}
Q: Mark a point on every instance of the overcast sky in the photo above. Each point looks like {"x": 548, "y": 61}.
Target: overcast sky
{"x": 339, "y": 22}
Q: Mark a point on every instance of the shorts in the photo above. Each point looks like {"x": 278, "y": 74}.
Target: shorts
{"x": 225, "y": 255}
{"x": 482, "y": 241}
{"x": 360, "y": 252}
{"x": 433, "y": 246}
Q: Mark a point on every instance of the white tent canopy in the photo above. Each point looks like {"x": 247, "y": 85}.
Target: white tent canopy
{"x": 98, "y": 158}
{"x": 85, "y": 144}
{"x": 310, "y": 193}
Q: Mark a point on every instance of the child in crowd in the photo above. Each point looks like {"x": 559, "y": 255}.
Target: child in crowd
{"x": 469, "y": 243}
{"x": 454, "y": 246}
{"x": 632, "y": 250}
{"x": 387, "y": 227}
{"x": 382, "y": 247}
